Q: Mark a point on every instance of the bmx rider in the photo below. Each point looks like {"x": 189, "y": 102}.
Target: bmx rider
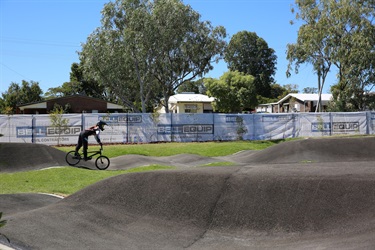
{"x": 83, "y": 139}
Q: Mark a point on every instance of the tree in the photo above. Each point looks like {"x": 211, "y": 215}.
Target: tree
{"x": 310, "y": 90}
{"x": 107, "y": 55}
{"x": 339, "y": 33}
{"x": 355, "y": 57}
{"x": 58, "y": 121}
{"x": 17, "y": 95}
{"x": 278, "y": 92}
{"x": 79, "y": 84}
{"x": 188, "y": 46}
{"x": 313, "y": 45}
{"x": 193, "y": 86}
{"x": 234, "y": 92}
{"x": 149, "y": 47}
{"x": 250, "y": 54}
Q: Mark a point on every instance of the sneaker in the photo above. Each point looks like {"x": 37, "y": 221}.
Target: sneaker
{"x": 87, "y": 158}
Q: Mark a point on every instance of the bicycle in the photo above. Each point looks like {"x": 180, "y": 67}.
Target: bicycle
{"x": 102, "y": 162}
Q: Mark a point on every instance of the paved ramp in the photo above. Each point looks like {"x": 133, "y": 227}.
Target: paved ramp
{"x": 316, "y": 203}
{"x": 16, "y": 157}
{"x": 314, "y": 150}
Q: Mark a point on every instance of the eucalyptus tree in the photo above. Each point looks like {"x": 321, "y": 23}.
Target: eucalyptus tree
{"x": 105, "y": 59}
{"x": 338, "y": 33}
{"x": 79, "y": 84}
{"x": 314, "y": 43}
{"x": 185, "y": 47}
{"x": 147, "y": 49}
{"x": 234, "y": 92}
{"x": 310, "y": 90}
{"x": 356, "y": 55}
{"x": 16, "y": 95}
{"x": 250, "y": 54}
{"x": 193, "y": 87}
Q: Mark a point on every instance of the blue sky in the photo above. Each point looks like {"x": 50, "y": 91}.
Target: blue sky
{"x": 39, "y": 39}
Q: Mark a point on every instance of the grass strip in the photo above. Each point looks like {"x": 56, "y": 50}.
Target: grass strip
{"x": 209, "y": 149}
{"x": 60, "y": 181}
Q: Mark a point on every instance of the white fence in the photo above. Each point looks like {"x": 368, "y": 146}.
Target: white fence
{"x": 145, "y": 128}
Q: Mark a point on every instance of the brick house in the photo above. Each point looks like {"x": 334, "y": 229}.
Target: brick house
{"x": 75, "y": 104}
{"x": 295, "y": 103}
{"x": 300, "y": 103}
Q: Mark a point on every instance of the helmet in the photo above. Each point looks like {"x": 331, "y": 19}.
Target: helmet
{"x": 101, "y": 124}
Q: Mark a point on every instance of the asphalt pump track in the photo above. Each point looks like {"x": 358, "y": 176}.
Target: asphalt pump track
{"x": 303, "y": 194}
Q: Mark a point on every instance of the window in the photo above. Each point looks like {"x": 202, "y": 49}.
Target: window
{"x": 191, "y": 108}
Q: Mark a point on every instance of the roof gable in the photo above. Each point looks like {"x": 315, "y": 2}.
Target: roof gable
{"x": 190, "y": 97}
{"x": 307, "y": 97}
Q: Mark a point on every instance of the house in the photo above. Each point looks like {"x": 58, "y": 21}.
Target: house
{"x": 188, "y": 102}
{"x": 301, "y": 103}
{"x": 74, "y": 104}
{"x": 265, "y": 108}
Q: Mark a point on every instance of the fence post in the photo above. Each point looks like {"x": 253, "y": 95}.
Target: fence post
{"x": 331, "y": 123}
{"x": 32, "y": 129}
{"x": 172, "y": 139}
{"x": 82, "y": 122}
{"x": 368, "y": 122}
{"x": 213, "y": 126}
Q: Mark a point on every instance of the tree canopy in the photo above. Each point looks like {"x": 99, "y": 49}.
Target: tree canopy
{"x": 79, "y": 84}
{"x": 234, "y": 92}
{"x": 16, "y": 95}
{"x": 145, "y": 49}
{"x": 339, "y": 33}
{"x": 250, "y": 54}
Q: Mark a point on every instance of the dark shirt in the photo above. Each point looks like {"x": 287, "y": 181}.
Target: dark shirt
{"x": 95, "y": 131}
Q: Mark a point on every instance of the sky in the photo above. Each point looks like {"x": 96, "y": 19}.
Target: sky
{"x": 39, "y": 39}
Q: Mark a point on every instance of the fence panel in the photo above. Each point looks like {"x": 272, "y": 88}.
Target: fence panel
{"x": 145, "y": 128}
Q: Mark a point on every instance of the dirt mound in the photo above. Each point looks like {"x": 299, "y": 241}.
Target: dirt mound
{"x": 314, "y": 150}
{"x": 16, "y": 157}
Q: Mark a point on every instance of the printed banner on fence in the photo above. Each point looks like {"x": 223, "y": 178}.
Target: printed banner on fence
{"x": 145, "y": 128}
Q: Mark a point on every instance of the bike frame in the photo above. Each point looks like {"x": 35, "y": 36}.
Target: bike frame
{"x": 102, "y": 162}
{"x": 93, "y": 153}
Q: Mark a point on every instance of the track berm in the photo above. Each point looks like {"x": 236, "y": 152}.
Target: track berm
{"x": 303, "y": 194}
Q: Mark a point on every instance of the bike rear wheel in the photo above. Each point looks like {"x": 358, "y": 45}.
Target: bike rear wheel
{"x": 72, "y": 159}
{"x": 102, "y": 162}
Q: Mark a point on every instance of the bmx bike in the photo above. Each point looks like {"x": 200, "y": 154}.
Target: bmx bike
{"x": 102, "y": 162}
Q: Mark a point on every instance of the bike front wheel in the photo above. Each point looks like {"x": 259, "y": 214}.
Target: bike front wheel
{"x": 72, "y": 159}
{"x": 102, "y": 162}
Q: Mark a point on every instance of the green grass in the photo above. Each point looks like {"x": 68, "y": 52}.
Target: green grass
{"x": 67, "y": 180}
{"x": 60, "y": 181}
{"x": 209, "y": 149}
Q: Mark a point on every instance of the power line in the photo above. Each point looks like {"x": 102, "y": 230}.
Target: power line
{"x": 26, "y": 78}
{"x": 39, "y": 42}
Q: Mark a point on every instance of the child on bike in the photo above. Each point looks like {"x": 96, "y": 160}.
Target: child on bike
{"x": 83, "y": 139}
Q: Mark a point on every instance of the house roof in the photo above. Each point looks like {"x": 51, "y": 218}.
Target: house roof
{"x": 190, "y": 97}
{"x": 307, "y": 97}
{"x": 43, "y": 104}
